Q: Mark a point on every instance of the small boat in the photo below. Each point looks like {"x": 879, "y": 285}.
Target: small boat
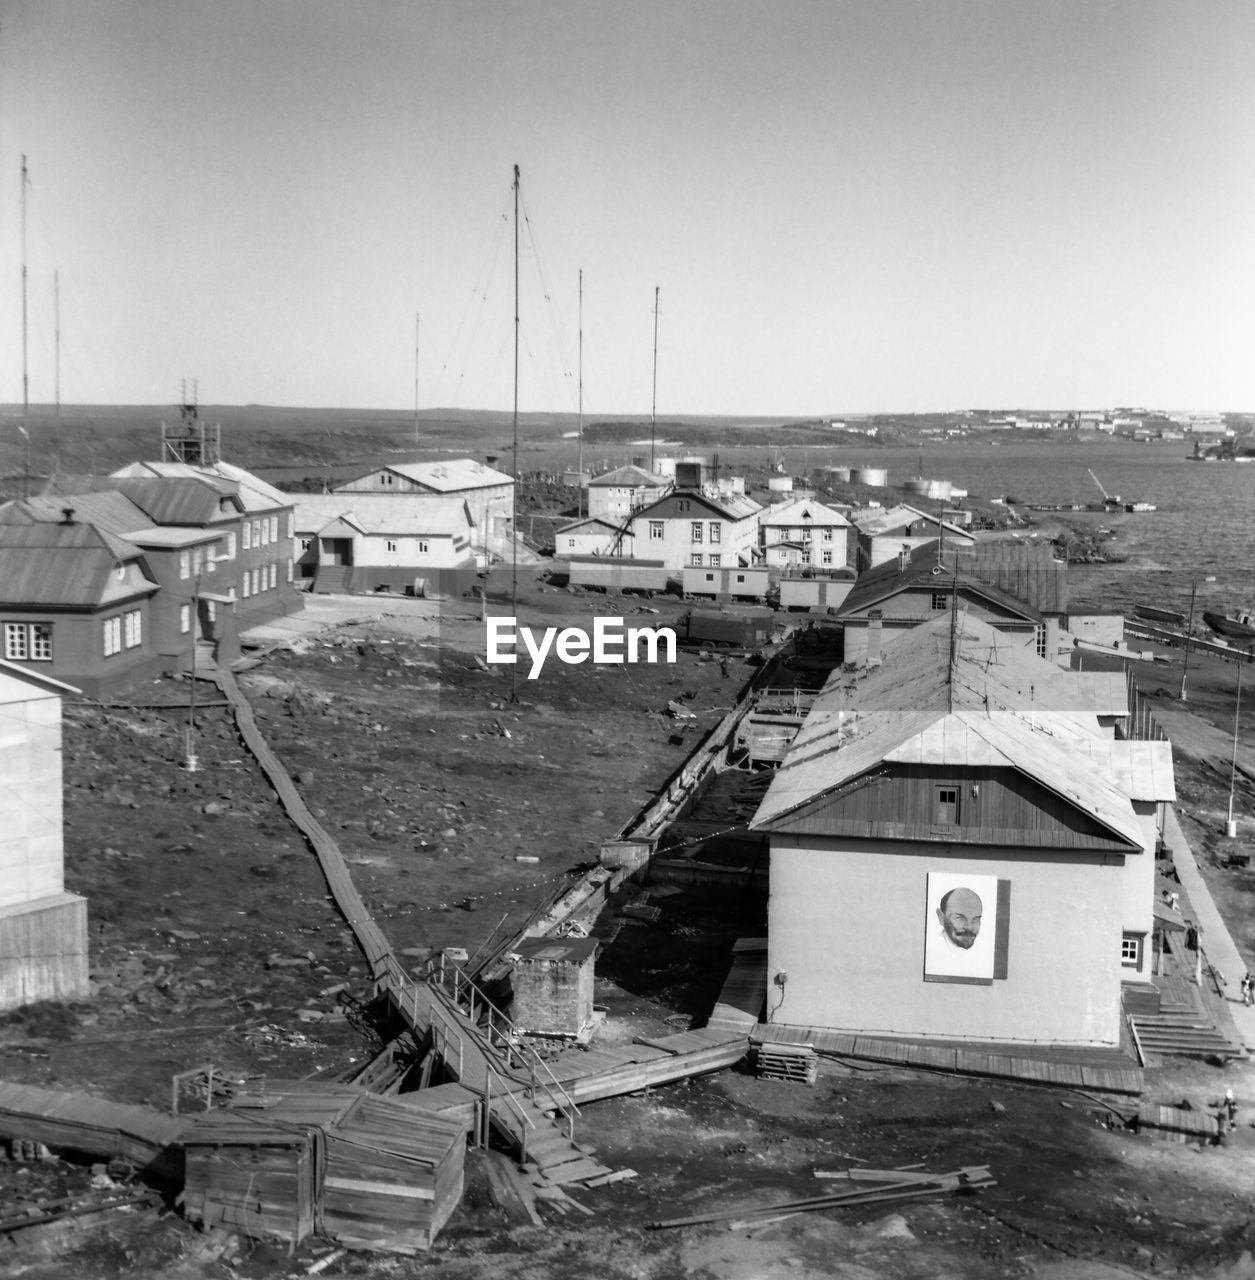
{"x": 1151, "y": 614}
{"x": 1234, "y": 626}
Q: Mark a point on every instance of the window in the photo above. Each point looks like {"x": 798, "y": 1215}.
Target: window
{"x": 655, "y": 529}
{"x": 1131, "y": 950}
{"x": 133, "y": 625}
{"x": 938, "y": 599}
{"x": 825, "y": 557}
{"x": 306, "y": 543}
{"x": 423, "y": 546}
{"x": 113, "y": 636}
{"x": 713, "y": 561}
{"x": 210, "y": 558}
{"x": 387, "y": 478}
{"x": 392, "y": 544}
{"x": 213, "y": 611}
{"x": 245, "y": 530}
{"x": 185, "y": 618}
{"x": 289, "y": 570}
{"x": 740, "y": 577}
{"x": 291, "y": 525}
{"x": 274, "y": 528}
{"x": 1039, "y": 636}
{"x": 256, "y": 581}
{"x": 28, "y": 641}
{"x": 946, "y": 809}
{"x": 256, "y": 534}
{"x": 274, "y": 574}
{"x": 710, "y": 577}
{"x": 716, "y": 531}
{"x": 570, "y": 542}
{"x": 197, "y": 557}
{"x": 231, "y": 545}
{"x": 185, "y": 561}
{"x": 682, "y": 504}
{"x": 696, "y": 560}
{"x": 696, "y": 530}
{"x": 264, "y": 529}
{"x": 244, "y": 585}
{"x": 827, "y": 535}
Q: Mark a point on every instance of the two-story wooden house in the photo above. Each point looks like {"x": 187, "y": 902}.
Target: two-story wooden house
{"x": 804, "y": 533}
{"x": 687, "y": 528}
{"x": 883, "y": 534}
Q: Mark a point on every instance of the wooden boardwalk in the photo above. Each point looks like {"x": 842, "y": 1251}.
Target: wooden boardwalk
{"x": 94, "y": 1126}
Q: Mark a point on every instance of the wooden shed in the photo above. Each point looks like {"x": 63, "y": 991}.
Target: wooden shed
{"x": 303, "y": 1157}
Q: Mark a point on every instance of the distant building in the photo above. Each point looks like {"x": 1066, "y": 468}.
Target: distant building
{"x": 614, "y": 495}
{"x": 591, "y": 536}
{"x": 804, "y": 532}
{"x": 882, "y": 533}
{"x": 364, "y": 542}
{"x": 688, "y": 528}
{"x": 488, "y": 494}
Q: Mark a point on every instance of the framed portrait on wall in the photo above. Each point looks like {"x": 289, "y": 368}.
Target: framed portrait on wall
{"x": 966, "y": 928}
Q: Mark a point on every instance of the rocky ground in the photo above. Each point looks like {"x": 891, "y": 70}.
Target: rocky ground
{"x": 213, "y": 939}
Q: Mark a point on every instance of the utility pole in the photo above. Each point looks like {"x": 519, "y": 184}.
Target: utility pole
{"x": 653, "y": 407}
{"x": 514, "y": 489}
{"x": 1231, "y": 827}
{"x": 417, "y": 320}
{"x": 1189, "y": 634}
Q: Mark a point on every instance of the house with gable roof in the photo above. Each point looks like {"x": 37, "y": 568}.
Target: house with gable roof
{"x": 962, "y": 851}
{"x": 804, "y": 532}
{"x": 691, "y": 528}
{"x": 487, "y": 493}
{"x": 883, "y": 534}
{"x": 614, "y": 495}
{"x": 1018, "y": 589}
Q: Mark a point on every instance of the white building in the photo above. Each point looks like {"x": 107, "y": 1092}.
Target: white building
{"x": 804, "y": 532}
{"x": 616, "y": 494}
{"x": 687, "y": 528}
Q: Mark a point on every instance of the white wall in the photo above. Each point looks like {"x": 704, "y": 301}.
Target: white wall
{"x": 32, "y": 860}
{"x": 847, "y": 922}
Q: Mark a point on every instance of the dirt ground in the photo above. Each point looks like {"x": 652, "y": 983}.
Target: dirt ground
{"x": 213, "y": 940}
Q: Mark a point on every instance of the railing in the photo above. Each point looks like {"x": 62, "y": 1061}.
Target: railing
{"x": 500, "y": 1034}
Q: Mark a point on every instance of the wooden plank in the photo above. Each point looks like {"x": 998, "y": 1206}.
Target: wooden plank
{"x": 390, "y": 1189}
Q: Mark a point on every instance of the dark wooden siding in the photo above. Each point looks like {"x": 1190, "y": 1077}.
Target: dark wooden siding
{"x": 900, "y": 802}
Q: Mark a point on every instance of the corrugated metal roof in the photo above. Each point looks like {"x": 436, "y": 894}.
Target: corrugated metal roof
{"x": 254, "y": 494}
{"x": 171, "y": 500}
{"x": 874, "y": 523}
{"x": 71, "y": 565}
{"x": 108, "y": 510}
{"x": 629, "y": 477}
{"x": 734, "y": 507}
{"x": 412, "y": 515}
{"x": 449, "y": 476}
{"x": 991, "y": 704}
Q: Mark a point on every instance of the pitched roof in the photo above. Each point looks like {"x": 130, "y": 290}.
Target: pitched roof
{"x": 736, "y": 507}
{"x": 448, "y": 476}
{"x": 629, "y": 477}
{"x": 989, "y": 703}
{"x": 587, "y": 523}
{"x": 379, "y": 514}
{"x": 801, "y": 511}
{"x": 875, "y": 522}
{"x": 254, "y": 493}
{"x": 926, "y": 565}
{"x": 108, "y": 510}
{"x": 21, "y": 684}
{"x": 66, "y": 565}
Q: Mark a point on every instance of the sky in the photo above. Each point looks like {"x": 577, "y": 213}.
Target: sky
{"x": 839, "y": 206}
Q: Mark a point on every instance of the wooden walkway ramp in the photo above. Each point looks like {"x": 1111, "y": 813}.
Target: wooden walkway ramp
{"x": 95, "y": 1126}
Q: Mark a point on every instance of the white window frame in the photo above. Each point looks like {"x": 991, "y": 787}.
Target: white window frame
{"x": 714, "y": 560}
{"x": 695, "y": 531}
{"x": 274, "y": 528}
{"x": 17, "y": 642}
{"x": 185, "y": 618}
{"x": 695, "y": 560}
{"x": 391, "y": 544}
{"x": 274, "y": 574}
{"x": 245, "y": 535}
{"x": 244, "y": 584}
{"x": 185, "y": 565}
{"x": 825, "y": 557}
{"x": 132, "y": 629}
{"x": 423, "y": 546}
{"x": 716, "y": 531}
{"x": 657, "y": 530}
{"x": 112, "y": 629}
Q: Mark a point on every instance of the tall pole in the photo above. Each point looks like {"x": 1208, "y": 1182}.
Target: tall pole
{"x": 416, "y": 331}
{"x": 56, "y": 311}
{"x": 26, "y": 470}
{"x": 653, "y": 406}
{"x": 514, "y": 488}
{"x": 579, "y": 470}
{"x": 1231, "y": 827}
{"x": 1189, "y": 635}
{"x": 190, "y": 761}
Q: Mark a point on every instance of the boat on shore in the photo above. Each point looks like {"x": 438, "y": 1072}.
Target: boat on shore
{"x": 1149, "y": 613}
{"x": 1233, "y": 626}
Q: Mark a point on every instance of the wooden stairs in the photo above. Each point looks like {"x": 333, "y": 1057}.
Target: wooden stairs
{"x": 1181, "y": 1026}
{"x": 333, "y": 579}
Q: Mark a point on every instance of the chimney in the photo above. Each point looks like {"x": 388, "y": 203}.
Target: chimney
{"x": 904, "y": 557}
{"x": 67, "y": 515}
{"x": 873, "y": 637}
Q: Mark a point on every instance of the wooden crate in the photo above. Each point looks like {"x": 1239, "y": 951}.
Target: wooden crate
{"x": 797, "y": 1062}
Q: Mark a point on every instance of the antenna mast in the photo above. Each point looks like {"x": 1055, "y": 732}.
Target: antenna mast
{"x": 56, "y": 311}
{"x": 514, "y": 488}
{"x": 417, "y": 319}
{"x": 26, "y": 477}
{"x": 579, "y": 470}
{"x": 653, "y": 408}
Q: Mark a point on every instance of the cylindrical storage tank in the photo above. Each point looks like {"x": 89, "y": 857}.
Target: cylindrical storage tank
{"x": 938, "y": 489}
{"x": 839, "y": 475}
{"x": 876, "y": 476}
{"x": 780, "y": 484}
{"x": 665, "y": 467}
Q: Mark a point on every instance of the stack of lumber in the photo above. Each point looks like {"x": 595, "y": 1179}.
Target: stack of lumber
{"x": 787, "y": 1062}
{"x": 873, "y": 1187}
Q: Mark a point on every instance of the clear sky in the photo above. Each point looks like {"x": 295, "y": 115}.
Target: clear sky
{"x": 848, "y": 205}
